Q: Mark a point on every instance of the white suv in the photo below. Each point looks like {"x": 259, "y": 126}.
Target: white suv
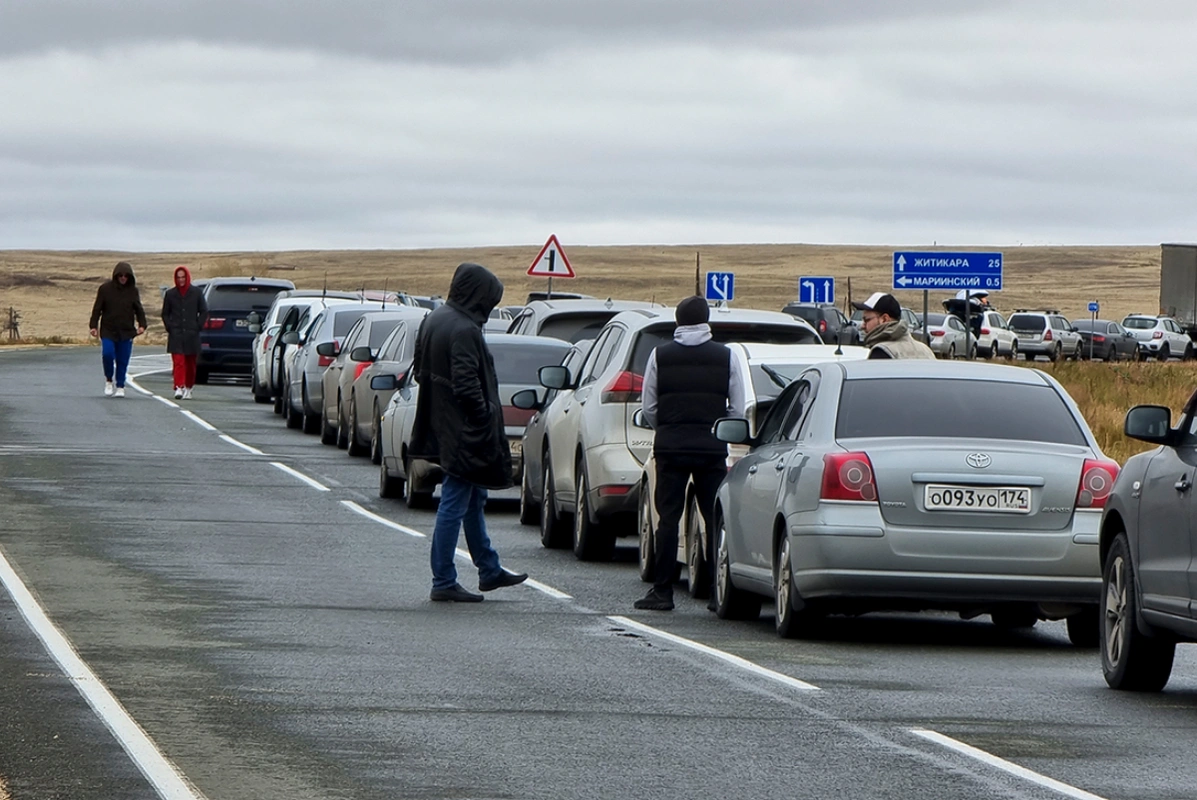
{"x": 996, "y": 338}
{"x": 1161, "y": 337}
{"x": 595, "y": 455}
{"x": 1045, "y": 333}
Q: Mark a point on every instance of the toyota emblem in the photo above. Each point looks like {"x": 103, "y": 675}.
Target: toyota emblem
{"x": 978, "y": 460}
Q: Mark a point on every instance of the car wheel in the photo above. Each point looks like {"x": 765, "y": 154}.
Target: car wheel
{"x": 376, "y": 437}
{"x": 1188, "y": 355}
{"x": 730, "y": 602}
{"x": 1141, "y": 355}
{"x": 553, "y": 532}
{"x": 1164, "y": 353}
{"x": 529, "y": 510}
{"x": 1017, "y": 617}
{"x": 201, "y": 375}
{"x": 648, "y": 543}
{"x": 1084, "y": 629}
{"x": 328, "y": 434}
{"x": 255, "y": 386}
{"x": 697, "y": 568}
{"x": 972, "y": 353}
{"x": 790, "y": 623}
{"x": 342, "y": 433}
{"x": 591, "y": 542}
{"x": 291, "y": 418}
{"x": 1130, "y": 659}
{"x": 1013, "y": 356}
{"x": 951, "y": 352}
{"x": 414, "y": 499}
{"x": 389, "y": 486}
{"x": 994, "y": 351}
{"x": 311, "y": 420}
{"x": 353, "y": 445}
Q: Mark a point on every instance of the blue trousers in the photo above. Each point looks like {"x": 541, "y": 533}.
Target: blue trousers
{"x": 461, "y": 507}
{"x": 116, "y": 357}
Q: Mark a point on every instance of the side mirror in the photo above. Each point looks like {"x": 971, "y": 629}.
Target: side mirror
{"x": 639, "y": 420}
{"x": 1149, "y": 424}
{"x": 554, "y": 377}
{"x": 733, "y": 430}
{"x": 526, "y": 399}
{"x": 254, "y": 327}
{"x": 362, "y": 353}
{"x": 290, "y": 337}
{"x": 254, "y": 318}
{"x": 327, "y": 349}
{"x": 384, "y": 383}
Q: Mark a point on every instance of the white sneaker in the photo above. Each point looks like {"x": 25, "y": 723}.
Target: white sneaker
{"x": 179, "y": 392}
{"x": 187, "y": 393}
{"x": 109, "y": 388}
{"x": 120, "y": 392}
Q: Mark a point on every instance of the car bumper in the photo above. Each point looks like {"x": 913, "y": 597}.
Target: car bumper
{"x": 614, "y": 480}
{"x": 1152, "y": 346}
{"x": 224, "y": 360}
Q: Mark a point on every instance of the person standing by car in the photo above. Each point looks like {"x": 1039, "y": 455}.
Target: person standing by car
{"x": 117, "y": 317}
{"x": 183, "y": 313}
{"x": 886, "y": 335}
{"x": 459, "y": 425}
{"x": 688, "y": 384}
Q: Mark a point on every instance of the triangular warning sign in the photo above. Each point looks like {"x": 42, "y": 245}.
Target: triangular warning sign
{"x": 551, "y": 263}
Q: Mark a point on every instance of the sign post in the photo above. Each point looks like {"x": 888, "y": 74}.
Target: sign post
{"x": 942, "y": 270}
{"x": 1094, "y": 307}
{"x": 551, "y": 263}
{"x": 820, "y": 289}
{"x": 721, "y": 286}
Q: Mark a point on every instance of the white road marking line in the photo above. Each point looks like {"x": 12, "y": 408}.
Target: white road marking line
{"x": 543, "y": 588}
{"x": 295, "y": 473}
{"x": 1004, "y": 765}
{"x": 735, "y": 661}
{"x": 197, "y": 419}
{"x": 135, "y": 385}
{"x": 352, "y": 506}
{"x": 242, "y": 445}
{"x": 168, "y": 782}
{"x": 165, "y": 402}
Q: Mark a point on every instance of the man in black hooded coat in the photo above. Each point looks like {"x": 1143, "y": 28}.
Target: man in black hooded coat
{"x": 459, "y": 425}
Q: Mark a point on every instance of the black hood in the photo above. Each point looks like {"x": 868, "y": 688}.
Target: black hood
{"x": 475, "y": 291}
{"x": 124, "y": 268}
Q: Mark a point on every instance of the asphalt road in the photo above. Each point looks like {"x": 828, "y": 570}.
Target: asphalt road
{"x": 266, "y": 638}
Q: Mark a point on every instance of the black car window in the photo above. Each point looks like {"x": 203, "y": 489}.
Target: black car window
{"x": 394, "y": 345}
{"x": 343, "y": 321}
{"x": 1032, "y": 323}
{"x": 237, "y": 297}
{"x": 353, "y": 336}
{"x": 809, "y": 313}
{"x": 746, "y": 332}
{"x": 519, "y": 364}
{"x": 603, "y": 354}
{"x": 575, "y": 327}
{"x": 770, "y": 429}
{"x": 798, "y": 411}
{"x": 597, "y": 351}
{"x": 769, "y": 379}
{"x": 379, "y": 331}
{"x": 311, "y": 326}
{"x": 951, "y": 409}
{"x": 1114, "y": 329}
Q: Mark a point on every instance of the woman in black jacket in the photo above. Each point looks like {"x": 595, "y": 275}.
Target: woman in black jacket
{"x": 184, "y": 311}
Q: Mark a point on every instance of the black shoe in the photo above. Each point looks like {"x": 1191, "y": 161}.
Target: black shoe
{"x": 655, "y": 601}
{"x": 504, "y": 578}
{"x": 454, "y": 594}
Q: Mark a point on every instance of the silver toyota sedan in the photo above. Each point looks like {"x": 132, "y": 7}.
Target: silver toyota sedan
{"x": 911, "y": 485}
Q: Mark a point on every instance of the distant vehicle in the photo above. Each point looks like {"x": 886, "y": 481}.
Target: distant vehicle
{"x": 1148, "y": 538}
{"x": 1106, "y": 339}
{"x": 226, "y": 342}
{"x": 1178, "y": 284}
{"x": 430, "y": 302}
{"x": 533, "y": 296}
{"x": 1045, "y": 333}
{"x": 267, "y": 328}
{"x": 829, "y": 321}
{"x": 949, "y": 337}
{"x": 1160, "y": 337}
{"x": 571, "y": 320}
{"x": 883, "y": 485}
{"x": 499, "y": 321}
{"x": 994, "y": 337}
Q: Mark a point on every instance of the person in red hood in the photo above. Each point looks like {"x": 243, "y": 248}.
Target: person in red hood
{"x": 184, "y": 312}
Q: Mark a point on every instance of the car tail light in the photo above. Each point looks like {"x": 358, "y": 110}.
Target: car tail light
{"x": 848, "y": 476}
{"x": 1099, "y": 338}
{"x": 357, "y": 372}
{"x": 517, "y": 417}
{"x": 623, "y": 388}
{"x": 324, "y": 361}
{"x": 1157, "y": 335}
{"x": 1097, "y": 481}
{"x": 822, "y": 326}
{"x": 985, "y": 331}
{"x": 1047, "y": 335}
{"x": 938, "y": 331}
{"x": 266, "y": 342}
{"x": 213, "y": 323}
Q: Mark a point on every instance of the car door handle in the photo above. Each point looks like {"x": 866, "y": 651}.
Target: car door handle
{"x": 780, "y": 465}
{"x": 752, "y": 470}
{"x": 1184, "y": 484}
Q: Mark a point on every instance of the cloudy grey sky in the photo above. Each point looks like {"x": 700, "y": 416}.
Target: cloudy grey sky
{"x": 294, "y": 124}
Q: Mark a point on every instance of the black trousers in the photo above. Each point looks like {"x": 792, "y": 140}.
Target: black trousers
{"x": 673, "y": 473}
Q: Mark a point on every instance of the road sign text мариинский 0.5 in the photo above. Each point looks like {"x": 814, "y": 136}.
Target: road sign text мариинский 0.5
{"x": 939, "y": 270}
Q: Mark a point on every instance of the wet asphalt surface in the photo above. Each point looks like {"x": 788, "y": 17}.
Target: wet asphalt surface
{"x": 272, "y": 643}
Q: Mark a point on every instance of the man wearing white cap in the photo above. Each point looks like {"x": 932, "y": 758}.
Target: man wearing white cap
{"x": 886, "y": 335}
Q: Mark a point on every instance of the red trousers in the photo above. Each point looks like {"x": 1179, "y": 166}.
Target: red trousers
{"x": 184, "y": 368}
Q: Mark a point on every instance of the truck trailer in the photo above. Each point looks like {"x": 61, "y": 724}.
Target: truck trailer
{"x": 1178, "y": 284}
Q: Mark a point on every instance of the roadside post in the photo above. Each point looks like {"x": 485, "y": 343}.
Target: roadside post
{"x": 721, "y": 287}
{"x": 1094, "y": 307}
{"x": 551, "y": 263}
{"x": 943, "y": 270}
{"x": 819, "y": 289}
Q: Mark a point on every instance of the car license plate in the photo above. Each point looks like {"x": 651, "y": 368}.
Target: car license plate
{"x": 999, "y": 499}
{"x": 517, "y": 447}
{"x": 242, "y": 323}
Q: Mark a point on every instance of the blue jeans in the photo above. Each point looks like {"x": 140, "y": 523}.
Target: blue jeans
{"x": 461, "y": 506}
{"x": 119, "y": 353}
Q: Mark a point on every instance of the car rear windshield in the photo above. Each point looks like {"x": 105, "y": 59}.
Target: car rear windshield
{"x": 1027, "y": 322}
{"x": 242, "y": 298}
{"x": 520, "y": 364}
{"x": 574, "y": 327}
{"x": 955, "y": 409}
{"x": 1139, "y": 323}
{"x": 747, "y": 332}
{"x": 379, "y": 332}
{"x": 1101, "y": 326}
{"x": 343, "y": 321}
{"x": 807, "y": 313}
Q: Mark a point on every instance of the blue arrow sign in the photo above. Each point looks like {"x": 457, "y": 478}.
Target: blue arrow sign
{"x": 721, "y": 286}
{"x": 820, "y": 289}
{"x": 941, "y": 270}
{"x": 1094, "y": 307}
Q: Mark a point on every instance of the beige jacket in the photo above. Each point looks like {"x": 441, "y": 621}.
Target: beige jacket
{"x": 893, "y": 340}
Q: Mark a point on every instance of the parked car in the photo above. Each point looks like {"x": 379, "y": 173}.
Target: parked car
{"x": 1045, "y": 333}
{"x": 1148, "y": 538}
{"x": 295, "y": 318}
{"x": 881, "y": 485}
{"x": 995, "y": 337}
{"x": 829, "y": 321}
{"x": 595, "y": 453}
{"x": 517, "y": 361}
{"x": 304, "y": 365}
{"x": 391, "y": 362}
{"x": 948, "y": 337}
{"x": 1106, "y": 339}
{"x": 226, "y": 343}
{"x": 499, "y": 321}
{"x": 267, "y": 328}
{"x": 351, "y": 356}
{"x": 571, "y": 320}
{"x": 770, "y": 367}
{"x": 1161, "y": 337}
{"x": 534, "y": 296}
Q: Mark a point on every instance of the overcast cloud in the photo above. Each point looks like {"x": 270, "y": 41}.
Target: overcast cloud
{"x": 221, "y": 125}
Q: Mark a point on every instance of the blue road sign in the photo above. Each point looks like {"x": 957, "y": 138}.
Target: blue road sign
{"x": 819, "y": 289}
{"x": 1094, "y": 307}
{"x": 941, "y": 270}
{"x": 721, "y": 286}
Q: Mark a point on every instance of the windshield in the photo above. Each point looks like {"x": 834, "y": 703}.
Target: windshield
{"x": 574, "y": 327}
{"x": 747, "y": 332}
{"x": 1139, "y": 323}
{"x": 1027, "y": 322}
{"x": 242, "y": 298}
{"x": 807, "y": 313}
{"x": 343, "y": 321}
{"x": 517, "y": 363}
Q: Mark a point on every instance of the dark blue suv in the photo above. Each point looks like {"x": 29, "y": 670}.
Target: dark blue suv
{"x": 226, "y": 342}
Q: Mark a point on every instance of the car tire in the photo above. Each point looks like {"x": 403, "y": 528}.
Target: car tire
{"x": 789, "y": 622}
{"x": 1013, "y": 355}
{"x": 994, "y": 350}
{"x": 1084, "y": 629}
{"x": 1188, "y": 354}
{"x": 951, "y": 352}
{"x": 1054, "y": 355}
{"x": 311, "y": 420}
{"x": 1164, "y": 354}
{"x": 972, "y": 353}
{"x": 1130, "y": 659}
{"x": 591, "y": 541}
{"x": 291, "y": 418}
{"x": 730, "y": 602}
{"x": 343, "y": 431}
{"x": 328, "y": 434}
{"x": 553, "y": 531}
{"x": 697, "y": 568}
{"x": 647, "y": 559}
{"x": 389, "y": 486}
{"x": 376, "y": 437}
{"x": 255, "y": 387}
{"x": 529, "y": 510}
{"x": 353, "y": 445}
{"x": 1014, "y": 618}
{"x": 201, "y": 375}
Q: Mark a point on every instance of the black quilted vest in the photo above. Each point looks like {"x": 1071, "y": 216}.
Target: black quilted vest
{"x": 691, "y": 395}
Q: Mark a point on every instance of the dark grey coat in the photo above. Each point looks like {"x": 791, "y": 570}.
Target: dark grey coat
{"x": 184, "y": 315}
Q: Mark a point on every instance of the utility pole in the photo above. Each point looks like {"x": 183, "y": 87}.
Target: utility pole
{"x": 697, "y": 277}
{"x": 12, "y": 326}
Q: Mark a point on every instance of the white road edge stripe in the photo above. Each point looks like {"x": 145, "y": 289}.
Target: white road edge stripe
{"x": 354, "y": 507}
{"x": 197, "y": 419}
{"x": 309, "y": 481}
{"x": 165, "y": 402}
{"x": 168, "y": 782}
{"x": 543, "y": 588}
{"x": 247, "y": 448}
{"x": 1004, "y": 765}
{"x": 734, "y": 660}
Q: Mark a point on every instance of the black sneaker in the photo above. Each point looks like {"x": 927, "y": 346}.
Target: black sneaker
{"x": 454, "y": 594}
{"x": 655, "y": 601}
{"x": 504, "y": 578}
